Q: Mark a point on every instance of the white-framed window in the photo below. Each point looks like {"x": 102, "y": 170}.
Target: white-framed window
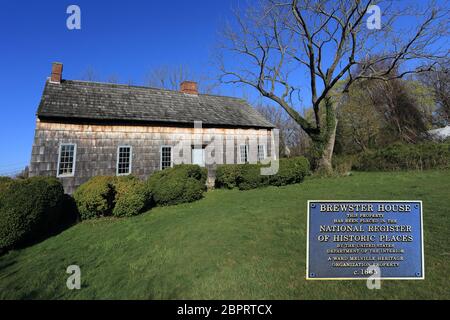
{"x": 243, "y": 153}
{"x": 124, "y": 158}
{"x": 261, "y": 152}
{"x": 66, "y": 160}
{"x": 166, "y": 157}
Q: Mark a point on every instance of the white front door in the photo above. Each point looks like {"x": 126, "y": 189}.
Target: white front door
{"x": 198, "y": 156}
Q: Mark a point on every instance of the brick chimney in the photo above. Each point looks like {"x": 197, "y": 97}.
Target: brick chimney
{"x": 189, "y": 87}
{"x": 56, "y": 75}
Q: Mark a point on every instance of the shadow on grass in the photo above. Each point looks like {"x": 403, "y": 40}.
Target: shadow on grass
{"x": 4, "y": 266}
{"x": 69, "y": 216}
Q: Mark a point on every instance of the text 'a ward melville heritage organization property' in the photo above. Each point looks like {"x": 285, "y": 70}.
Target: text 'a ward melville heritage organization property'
{"x": 358, "y": 239}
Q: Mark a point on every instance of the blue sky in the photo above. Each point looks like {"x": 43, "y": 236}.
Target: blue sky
{"x": 124, "y": 39}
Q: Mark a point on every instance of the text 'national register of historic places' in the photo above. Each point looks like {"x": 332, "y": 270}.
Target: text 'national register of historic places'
{"x": 361, "y": 239}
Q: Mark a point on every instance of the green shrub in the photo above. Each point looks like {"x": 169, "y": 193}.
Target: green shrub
{"x": 227, "y": 175}
{"x": 291, "y": 170}
{"x": 182, "y": 183}
{"x": 132, "y": 197}
{"x": 405, "y": 157}
{"x": 194, "y": 190}
{"x": 29, "y": 210}
{"x": 244, "y": 176}
{"x": 4, "y": 181}
{"x": 248, "y": 176}
{"x": 95, "y": 197}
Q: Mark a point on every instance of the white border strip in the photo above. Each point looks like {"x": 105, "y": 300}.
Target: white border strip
{"x": 365, "y": 278}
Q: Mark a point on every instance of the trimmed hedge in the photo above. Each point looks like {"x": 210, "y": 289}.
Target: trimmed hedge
{"x": 128, "y": 196}
{"x": 248, "y": 176}
{"x": 95, "y": 198}
{"x": 131, "y": 198}
{"x": 182, "y": 183}
{"x": 102, "y": 196}
{"x": 30, "y": 209}
{"x": 227, "y": 175}
{"x": 405, "y": 157}
{"x": 292, "y": 170}
{"x": 243, "y": 176}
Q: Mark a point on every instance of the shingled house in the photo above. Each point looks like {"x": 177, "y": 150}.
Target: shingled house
{"x": 84, "y": 129}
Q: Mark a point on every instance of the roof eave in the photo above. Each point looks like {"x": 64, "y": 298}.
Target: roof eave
{"x": 116, "y": 121}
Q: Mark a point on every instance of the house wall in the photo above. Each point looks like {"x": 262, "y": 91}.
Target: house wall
{"x": 96, "y": 152}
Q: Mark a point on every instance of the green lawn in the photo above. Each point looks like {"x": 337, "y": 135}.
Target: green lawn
{"x": 230, "y": 245}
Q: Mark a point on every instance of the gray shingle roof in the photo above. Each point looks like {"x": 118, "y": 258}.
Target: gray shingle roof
{"x": 112, "y": 102}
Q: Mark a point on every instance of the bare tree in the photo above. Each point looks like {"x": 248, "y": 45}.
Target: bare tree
{"x": 293, "y": 140}
{"x": 167, "y": 77}
{"x": 274, "y": 44}
{"x": 89, "y": 74}
{"x": 439, "y": 82}
{"x": 113, "y": 78}
{"x": 171, "y": 77}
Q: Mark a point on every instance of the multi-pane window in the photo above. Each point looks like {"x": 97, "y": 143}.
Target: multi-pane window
{"x": 166, "y": 157}
{"x": 243, "y": 153}
{"x": 66, "y": 160}
{"x": 261, "y": 152}
{"x": 124, "y": 160}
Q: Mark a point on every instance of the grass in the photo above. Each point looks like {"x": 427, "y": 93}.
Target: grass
{"x": 230, "y": 245}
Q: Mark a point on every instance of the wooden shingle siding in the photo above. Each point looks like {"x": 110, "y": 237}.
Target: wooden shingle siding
{"x": 96, "y": 147}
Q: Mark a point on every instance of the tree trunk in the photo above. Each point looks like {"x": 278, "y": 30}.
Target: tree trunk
{"x": 327, "y": 138}
{"x": 324, "y": 163}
